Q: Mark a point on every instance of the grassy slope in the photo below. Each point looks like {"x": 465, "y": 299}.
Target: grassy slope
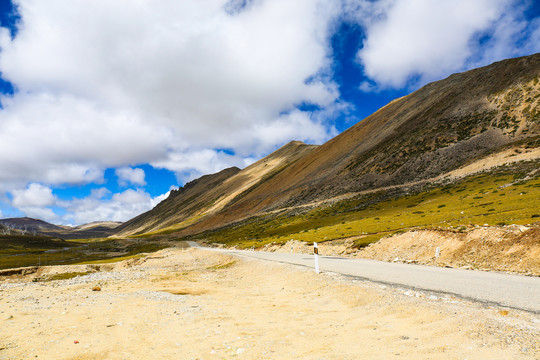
{"x": 20, "y": 251}
{"x": 504, "y": 196}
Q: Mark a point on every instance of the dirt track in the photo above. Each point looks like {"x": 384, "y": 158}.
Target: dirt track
{"x": 194, "y": 304}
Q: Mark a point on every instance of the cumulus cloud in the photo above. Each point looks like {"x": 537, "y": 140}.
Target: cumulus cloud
{"x": 412, "y": 42}
{"x": 35, "y": 195}
{"x": 107, "y": 84}
{"x": 64, "y": 139}
{"x": 34, "y": 201}
{"x": 511, "y": 35}
{"x": 424, "y": 38}
{"x": 38, "y": 201}
{"x": 191, "y": 164}
{"x": 120, "y": 207}
{"x": 41, "y": 213}
{"x": 127, "y": 175}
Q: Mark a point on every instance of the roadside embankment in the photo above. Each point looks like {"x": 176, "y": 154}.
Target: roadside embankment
{"x": 511, "y": 248}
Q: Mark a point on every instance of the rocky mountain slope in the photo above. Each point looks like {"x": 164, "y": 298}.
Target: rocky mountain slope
{"x": 210, "y": 194}
{"x": 465, "y": 119}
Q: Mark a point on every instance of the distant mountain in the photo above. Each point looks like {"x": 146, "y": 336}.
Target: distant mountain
{"x": 26, "y": 225}
{"x": 30, "y": 224}
{"x": 467, "y": 118}
{"x": 98, "y": 225}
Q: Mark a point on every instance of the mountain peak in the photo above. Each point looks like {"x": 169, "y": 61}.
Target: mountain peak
{"x": 439, "y": 128}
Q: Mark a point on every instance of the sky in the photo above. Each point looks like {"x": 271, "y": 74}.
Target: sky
{"x": 105, "y": 106}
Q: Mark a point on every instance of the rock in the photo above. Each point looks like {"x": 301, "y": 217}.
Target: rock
{"x": 96, "y": 288}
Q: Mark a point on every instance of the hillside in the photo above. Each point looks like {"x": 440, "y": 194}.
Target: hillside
{"x": 211, "y": 193}
{"x": 485, "y": 119}
{"x": 27, "y": 226}
{"x": 437, "y": 129}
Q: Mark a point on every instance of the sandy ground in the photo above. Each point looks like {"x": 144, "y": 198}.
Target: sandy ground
{"x": 197, "y": 304}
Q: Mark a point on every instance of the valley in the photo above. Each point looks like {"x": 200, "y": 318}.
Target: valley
{"x": 457, "y": 155}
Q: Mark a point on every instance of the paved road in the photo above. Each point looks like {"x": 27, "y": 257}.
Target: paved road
{"x": 515, "y": 291}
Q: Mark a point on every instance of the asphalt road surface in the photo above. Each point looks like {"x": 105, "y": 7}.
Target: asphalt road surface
{"x": 514, "y": 291}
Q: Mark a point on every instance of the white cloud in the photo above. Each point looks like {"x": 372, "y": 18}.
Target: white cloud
{"x": 412, "y": 42}
{"x": 35, "y": 195}
{"x": 127, "y": 175}
{"x": 34, "y": 201}
{"x": 121, "y": 207}
{"x": 63, "y": 139}
{"x": 41, "y": 213}
{"x": 107, "y": 84}
{"x": 512, "y": 36}
{"x": 159, "y": 199}
{"x": 190, "y": 164}
{"x": 424, "y": 38}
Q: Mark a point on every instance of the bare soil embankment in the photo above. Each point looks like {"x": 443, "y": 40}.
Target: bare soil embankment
{"x": 196, "y": 304}
{"x": 513, "y": 248}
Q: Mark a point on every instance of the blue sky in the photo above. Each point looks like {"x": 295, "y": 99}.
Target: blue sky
{"x": 106, "y": 106}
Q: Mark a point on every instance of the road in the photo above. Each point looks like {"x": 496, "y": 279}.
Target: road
{"x": 514, "y": 291}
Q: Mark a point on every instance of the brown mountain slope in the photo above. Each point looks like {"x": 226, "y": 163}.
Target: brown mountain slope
{"x": 439, "y": 128}
{"x": 30, "y": 224}
{"x": 209, "y": 194}
{"x": 442, "y": 127}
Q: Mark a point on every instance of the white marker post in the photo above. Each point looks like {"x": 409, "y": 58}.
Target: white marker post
{"x": 316, "y": 253}
{"x": 437, "y": 252}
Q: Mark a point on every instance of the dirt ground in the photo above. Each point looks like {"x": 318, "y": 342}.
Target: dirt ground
{"x": 514, "y": 248}
{"x": 197, "y": 304}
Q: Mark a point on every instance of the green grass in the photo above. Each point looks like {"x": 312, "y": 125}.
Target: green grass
{"x": 222, "y": 266}
{"x": 31, "y": 243}
{"x": 111, "y": 260}
{"x": 62, "y": 276}
{"x": 502, "y": 197}
{"x": 20, "y": 251}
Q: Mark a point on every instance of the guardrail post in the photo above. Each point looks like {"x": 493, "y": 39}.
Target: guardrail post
{"x": 316, "y": 253}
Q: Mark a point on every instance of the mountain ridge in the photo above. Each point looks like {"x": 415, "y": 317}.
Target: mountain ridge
{"x": 211, "y": 193}
{"x": 437, "y": 129}
{"x": 27, "y": 225}
{"x": 441, "y": 128}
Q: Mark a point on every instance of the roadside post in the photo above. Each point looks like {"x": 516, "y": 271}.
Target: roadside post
{"x": 316, "y": 253}
{"x": 437, "y": 252}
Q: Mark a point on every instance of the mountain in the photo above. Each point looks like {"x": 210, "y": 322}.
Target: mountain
{"x": 29, "y": 224}
{"x": 210, "y": 194}
{"x": 468, "y": 118}
{"x": 26, "y": 225}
